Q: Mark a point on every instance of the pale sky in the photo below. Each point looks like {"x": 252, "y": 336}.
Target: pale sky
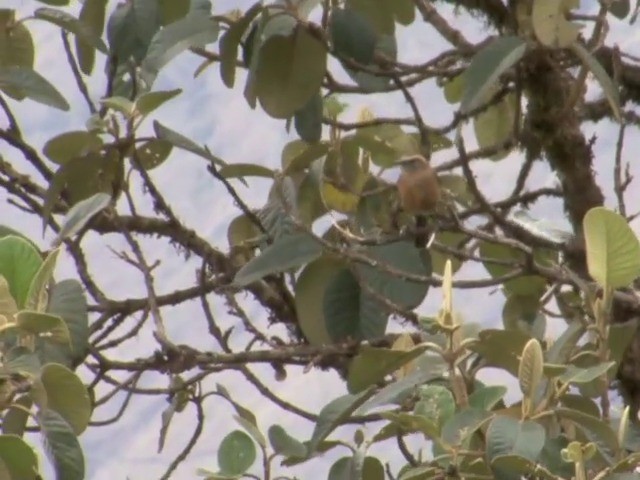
{"x": 211, "y": 114}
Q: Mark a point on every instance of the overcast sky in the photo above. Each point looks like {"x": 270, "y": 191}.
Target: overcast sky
{"x": 211, "y": 114}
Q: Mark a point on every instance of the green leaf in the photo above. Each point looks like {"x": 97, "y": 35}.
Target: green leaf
{"x": 67, "y": 300}
{"x": 19, "y": 263}
{"x": 459, "y": 428}
{"x": 454, "y": 89}
{"x": 333, "y": 107}
{"x": 309, "y": 205}
{"x": 372, "y": 364}
{"x": 170, "y": 10}
{"x": 92, "y": 15}
{"x": 230, "y": 41}
{"x": 349, "y": 312}
{"x": 119, "y": 104}
{"x": 594, "y": 429}
{"x": 284, "y": 444}
{"x": 67, "y": 395}
{"x": 73, "y": 25}
{"x": 486, "y": 67}
{"x": 396, "y": 392}
{"x": 620, "y": 8}
{"x": 575, "y": 374}
{"x": 38, "y": 323}
{"x": 501, "y": 348}
{"x": 561, "y": 349}
{"x": 506, "y": 436}
{"x": 14, "y": 420}
{"x": 407, "y": 423}
{"x": 82, "y": 177}
{"x": 496, "y": 125}
{"x": 486, "y": 398}
{"x": 178, "y": 140}
{"x": 287, "y": 252}
{"x": 521, "y": 312}
{"x": 22, "y": 360}
{"x": 240, "y": 410}
{"x": 191, "y": 31}
{"x": 342, "y": 468}
{"x": 236, "y": 454}
{"x": 550, "y": 25}
{"x": 402, "y": 257}
{"x": 610, "y": 90}
{"x": 148, "y": 102}
{"x": 298, "y": 155}
{"x": 252, "y": 429}
{"x": 531, "y": 368}
{"x": 153, "y": 153}
{"x": 308, "y": 120}
{"x": 528, "y": 285}
{"x": 352, "y": 35}
{"x": 32, "y": 85}
{"x": 436, "y": 403}
{"x": 309, "y": 293}
{"x": 18, "y": 458}
{"x": 240, "y": 170}
{"x": 38, "y": 290}
{"x": 620, "y": 337}
{"x": 333, "y": 415}
{"x": 404, "y": 11}
{"x": 512, "y": 466}
{"x": 551, "y": 457}
{"x": 80, "y": 214}
{"x": 372, "y": 469}
{"x": 386, "y": 47}
{"x": 613, "y": 250}
{"x": 62, "y": 445}
{"x": 580, "y": 403}
{"x": 16, "y": 44}
{"x": 130, "y": 29}
{"x": 68, "y": 145}
{"x": 289, "y": 72}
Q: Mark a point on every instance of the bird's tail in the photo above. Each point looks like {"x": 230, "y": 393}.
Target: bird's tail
{"x": 421, "y": 231}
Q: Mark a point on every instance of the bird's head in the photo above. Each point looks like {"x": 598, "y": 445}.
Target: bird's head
{"x": 412, "y": 163}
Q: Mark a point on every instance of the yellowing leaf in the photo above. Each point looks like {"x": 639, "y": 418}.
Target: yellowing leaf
{"x": 550, "y": 25}
{"x": 613, "y": 250}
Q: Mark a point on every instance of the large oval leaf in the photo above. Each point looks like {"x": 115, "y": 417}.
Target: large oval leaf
{"x": 32, "y": 85}
{"x": 175, "y": 38}
{"x": 309, "y": 298}
{"x": 19, "y": 263}
{"x": 487, "y": 66}
{"x": 404, "y": 258}
{"x": 17, "y": 458}
{"x": 67, "y": 300}
{"x": 287, "y": 252}
{"x": 236, "y": 454}
{"x": 613, "y": 250}
{"x": 62, "y": 445}
{"x": 92, "y": 15}
{"x": 352, "y": 35}
{"x": 289, "y": 72}
{"x": 67, "y": 395}
{"x": 71, "y": 24}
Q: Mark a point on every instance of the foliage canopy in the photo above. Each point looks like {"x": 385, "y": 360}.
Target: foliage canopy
{"x": 328, "y": 256}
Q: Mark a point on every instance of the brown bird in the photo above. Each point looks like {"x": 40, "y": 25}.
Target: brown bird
{"x": 419, "y": 192}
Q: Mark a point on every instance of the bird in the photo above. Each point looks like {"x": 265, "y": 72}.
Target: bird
{"x": 419, "y": 192}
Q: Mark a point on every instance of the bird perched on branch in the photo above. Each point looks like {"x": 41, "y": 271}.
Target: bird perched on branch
{"x": 419, "y": 192}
